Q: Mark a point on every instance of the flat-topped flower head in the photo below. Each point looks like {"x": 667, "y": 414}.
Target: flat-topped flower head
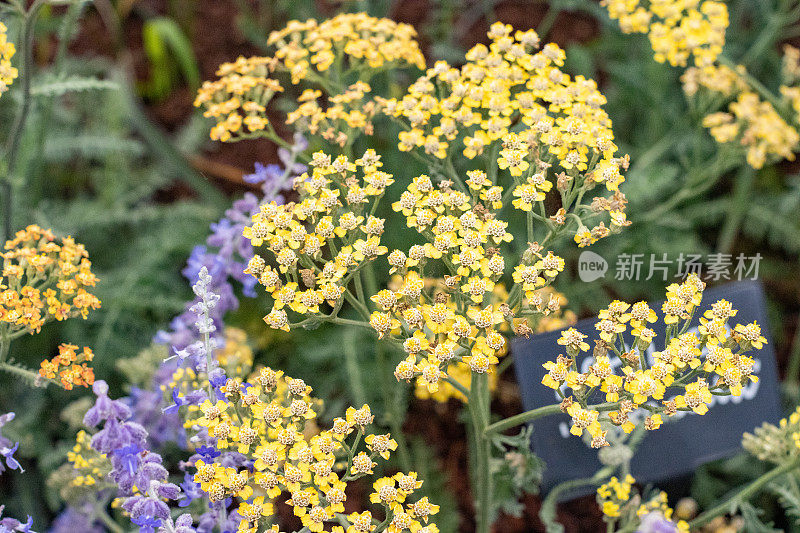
{"x": 271, "y": 423}
{"x": 336, "y": 94}
{"x": 679, "y": 32}
{"x": 8, "y": 73}
{"x": 636, "y": 378}
{"x": 43, "y": 278}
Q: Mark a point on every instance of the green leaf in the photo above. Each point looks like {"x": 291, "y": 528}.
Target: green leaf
{"x": 161, "y": 35}
{"x": 752, "y": 520}
{"x": 64, "y": 148}
{"x": 789, "y": 500}
{"x": 60, "y": 87}
{"x": 516, "y": 472}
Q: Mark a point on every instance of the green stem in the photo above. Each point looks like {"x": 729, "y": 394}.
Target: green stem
{"x": 743, "y": 495}
{"x": 15, "y": 134}
{"x": 533, "y": 414}
{"x": 5, "y": 344}
{"x": 740, "y": 204}
{"x": 458, "y": 386}
{"x": 348, "y": 322}
{"x": 521, "y": 418}
{"x": 353, "y": 368}
{"x": 33, "y": 377}
{"x": 479, "y": 408}
{"x": 793, "y": 370}
{"x": 102, "y": 514}
{"x": 393, "y": 405}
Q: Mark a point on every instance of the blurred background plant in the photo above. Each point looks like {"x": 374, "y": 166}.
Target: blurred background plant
{"x": 112, "y": 152}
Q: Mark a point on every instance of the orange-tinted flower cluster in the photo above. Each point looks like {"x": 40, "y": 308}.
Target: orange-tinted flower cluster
{"x": 333, "y": 59}
{"x": 69, "y": 366}
{"x": 43, "y": 278}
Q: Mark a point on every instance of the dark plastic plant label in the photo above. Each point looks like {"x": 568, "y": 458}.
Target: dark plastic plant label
{"x": 679, "y": 446}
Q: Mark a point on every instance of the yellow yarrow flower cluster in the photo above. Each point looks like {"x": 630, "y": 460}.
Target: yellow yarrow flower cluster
{"x": 43, "y": 278}
{"x": 270, "y": 418}
{"x": 90, "y": 466}
{"x": 235, "y": 355}
{"x": 349, "y": 110}
{"x": 679, "y": 30}
{"x": 322, "y": 240}
{"x": 775, "y": 443}
{"x": 501, "y": 85}
{"x": 694, "y": 364}
{"x": 323, "y": 55}
{"x": 84, "y": 474}
{"x": 515, "y": 103}
{"x": 238, "y": 100}
{"x": 757, "y": 126}
{"x": 364, "y": 42}
{"x": 462, "y": 374}
{"x": 7, "y": 50}
{"x": 751, "y": 121}
{"x": 458, "y": 320}
{"x": 614, "y": 494}
{"x": 719, "y": 78}
{"x": 620, "y": 502}
{"x": 70, "y": 367}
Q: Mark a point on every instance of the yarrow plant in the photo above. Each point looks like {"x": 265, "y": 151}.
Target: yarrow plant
{"x": 517, "y": 107}
{"x": 334, "y": 59}
{"x": 511, "y": 142}
{"x": 70, "y": 367}
{"x": 269, "y": 419}
{"x": 696, "y": 365}
{"x": 45, "y": 278}
{"x": 8, "y": 73}
{"x": 680, "y": 31}
{"x": 762, "y": 122}
{"x": 518, "y": 157}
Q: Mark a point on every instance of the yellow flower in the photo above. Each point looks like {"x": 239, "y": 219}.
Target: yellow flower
{"x": 583, "y": 419}
{"x": 43, "y": 279}
{"x": 7, "y": 50}
{"x": 678, "y": 31}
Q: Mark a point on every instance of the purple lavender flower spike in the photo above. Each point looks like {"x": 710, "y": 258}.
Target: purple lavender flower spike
{"x": 182, "y": 524}
{"x": 77, "y": 519}
{"x": 7, "y": 525}
{"x": 130, "y": 428}
{"x": 177, "y": 402}
{"x": 656, "y": 522}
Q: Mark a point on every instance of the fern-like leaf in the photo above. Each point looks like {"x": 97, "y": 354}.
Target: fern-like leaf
{"x": 60, "y": 87}
{"x": 789, "y": 500}
{"x": 21, "y": 371}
